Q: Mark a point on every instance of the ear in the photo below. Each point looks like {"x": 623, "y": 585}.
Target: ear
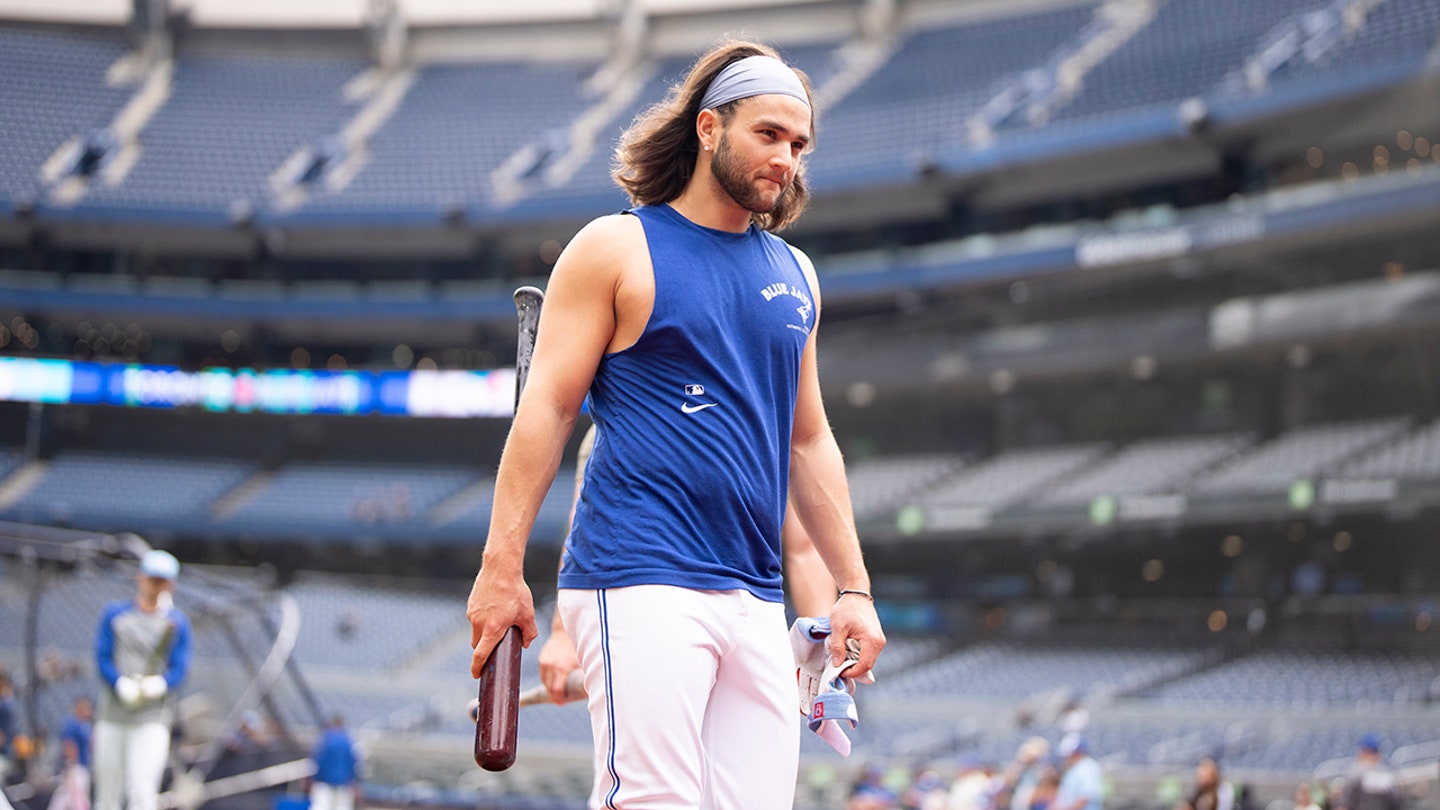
{"x": 707, "y": 128}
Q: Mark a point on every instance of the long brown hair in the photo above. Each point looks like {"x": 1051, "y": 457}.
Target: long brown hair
{"x": 656, "y": 155}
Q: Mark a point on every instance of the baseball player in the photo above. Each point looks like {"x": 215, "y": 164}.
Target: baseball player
{"x": 142, "y": 651}
{"x": 692, "y": 328}
{"x": 1370, "y": 784}
{"x": 337, "y": 767}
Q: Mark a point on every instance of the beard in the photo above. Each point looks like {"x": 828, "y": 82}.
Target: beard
{"x": 733, "y": 181}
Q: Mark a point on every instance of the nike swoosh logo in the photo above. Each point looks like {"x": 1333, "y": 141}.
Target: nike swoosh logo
{"x": 686, "y": 407}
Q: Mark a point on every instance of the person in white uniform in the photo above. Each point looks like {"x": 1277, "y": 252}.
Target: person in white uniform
{"x": 142, "y": 652}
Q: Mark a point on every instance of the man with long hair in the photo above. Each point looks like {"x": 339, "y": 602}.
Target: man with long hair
{"x": 691, "y": 326}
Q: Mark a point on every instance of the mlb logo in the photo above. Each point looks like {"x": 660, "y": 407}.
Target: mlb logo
{"x": 694, "y": 390}
{"x": 818, "y": 713}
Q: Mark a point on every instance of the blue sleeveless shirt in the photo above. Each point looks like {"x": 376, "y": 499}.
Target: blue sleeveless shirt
{"x": 688, "y": 478}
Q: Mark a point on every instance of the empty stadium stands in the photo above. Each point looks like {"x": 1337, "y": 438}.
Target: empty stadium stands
{"x": 370, "y": 629}
{"x": 331, "y": 494}
{"x": 1415, "y": 456}
{"x": 1010, "y": 476}
{"x": 455, "y": 127}
{"x": 228, "y": 125}
{"x": 1302, "y": 679}
{"x": 901, "y": 117}
{"x": 1148, "y": 468}
{"x": 224, "y": 140}
{"x": 52, "y": 88}
{"x": 118, "y": 490}
{"x": 880, "y": 485}
{"x": 1299, "y": 454}
{"x": 1017, "y": 672}
{"x": 446, "y": 504}
{"x": 1183, "y": 53}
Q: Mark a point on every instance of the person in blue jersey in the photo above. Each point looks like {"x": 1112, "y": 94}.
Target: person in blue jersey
{"x": 337, "y": 767}
{"x": 142, "y": 653}
{"x": 692, "y": 329}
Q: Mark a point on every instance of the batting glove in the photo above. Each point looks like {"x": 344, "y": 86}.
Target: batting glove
{"x": 153, "y": 687}
{"x": 825, "y": 692}
{"x": 127, "y": 689}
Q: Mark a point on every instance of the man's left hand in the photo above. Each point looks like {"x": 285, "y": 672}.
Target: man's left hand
{"x": 853, "y": 618}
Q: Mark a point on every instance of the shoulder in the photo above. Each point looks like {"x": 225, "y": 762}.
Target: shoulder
{"x": 807, "y": 268}
{"x": 116, "y": 608}
{"x": 803, "y": 260}
{"x": 609, "y": 232}
{"x": 601, "y": 249}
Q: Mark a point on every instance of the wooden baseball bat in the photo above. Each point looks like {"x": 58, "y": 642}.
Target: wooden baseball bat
{"x": 538, "y": 695}
{"x": 498, "y": 704}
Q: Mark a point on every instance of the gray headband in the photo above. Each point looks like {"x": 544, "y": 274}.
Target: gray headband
{"x": 753, "y": 76}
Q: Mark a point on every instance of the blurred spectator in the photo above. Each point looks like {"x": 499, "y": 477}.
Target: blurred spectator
{"x": 1304, "y": 799}
{"x": 337, "y": 769}
{"x": 1023, "y": 774}
{"x": 1043, "y": 797}
{"x": 970, "y": 787}
{"x": 1074, "y": 718}
{"x": 871, "y": 792}
{"x": 7, "y": 734}
{"x": 51, "y": 668}
{"x": 1369, "y": 785}
{"x": 1081, "y": 783}
{"x": 1211, "y": 793}
{"x": 248, "y": 743}
{"x": 73, "y": 792}
{"x": 348, "y": 624}
{"x": 75, "y": 736}
{"x": 928, "y": 792}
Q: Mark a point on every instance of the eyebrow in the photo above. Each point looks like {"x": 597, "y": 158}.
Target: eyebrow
{"x": 770, "y": 123}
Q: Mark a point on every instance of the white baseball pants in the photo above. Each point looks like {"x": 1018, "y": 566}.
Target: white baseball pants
{"x": 325, "y": 796}
{"x": 692, "y": 697}
{"x": 129, "y": 762}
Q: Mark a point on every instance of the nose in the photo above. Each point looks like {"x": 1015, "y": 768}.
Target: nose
{"x": 782, "y": 161}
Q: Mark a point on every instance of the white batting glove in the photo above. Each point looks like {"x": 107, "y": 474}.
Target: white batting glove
{"x": 824, "y": 690}
{"x": 127, "y": 689}
{"x": 153, "y": 687}
{"x": 812, "y": 659}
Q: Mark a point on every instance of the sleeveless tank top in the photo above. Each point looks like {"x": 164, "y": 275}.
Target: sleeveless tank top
{"x": 687, "y": 481}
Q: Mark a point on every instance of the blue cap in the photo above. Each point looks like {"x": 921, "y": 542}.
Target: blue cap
{"x": 1370, "y": 742}
{"x": 160, "y": 564}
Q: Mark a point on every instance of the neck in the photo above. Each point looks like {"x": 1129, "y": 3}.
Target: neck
{"x": 147, "y": 602}
{"x": 703, "y": 202}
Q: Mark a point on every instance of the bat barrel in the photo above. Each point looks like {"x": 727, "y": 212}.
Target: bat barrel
{"x": 497, "y": 724}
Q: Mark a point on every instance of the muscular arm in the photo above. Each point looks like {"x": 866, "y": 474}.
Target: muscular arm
{"x": 808, "y": 581}
{"x": 821, "y": 497}
{"x": 577, "y": 324}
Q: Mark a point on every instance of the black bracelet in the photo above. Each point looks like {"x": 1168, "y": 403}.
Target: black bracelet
{"x": 855, "y": 591}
